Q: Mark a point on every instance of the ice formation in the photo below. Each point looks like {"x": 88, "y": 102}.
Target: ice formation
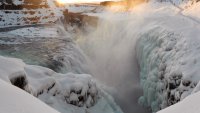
{"x": 64, "y": 92}
{"x": 167, "y": 57}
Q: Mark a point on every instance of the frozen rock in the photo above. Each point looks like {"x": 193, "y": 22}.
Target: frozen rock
{"x": 59, "y": 91}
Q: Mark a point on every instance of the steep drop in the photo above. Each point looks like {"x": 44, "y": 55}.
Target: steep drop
{"x": 111, "y": 49}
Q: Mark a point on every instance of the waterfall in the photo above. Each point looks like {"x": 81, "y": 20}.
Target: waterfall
{"x": 111, "y": 50}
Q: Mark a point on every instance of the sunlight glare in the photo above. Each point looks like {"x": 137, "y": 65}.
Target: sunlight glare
{"x": 78, "y": 1}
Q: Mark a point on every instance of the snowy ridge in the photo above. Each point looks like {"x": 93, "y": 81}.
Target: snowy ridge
{"x": 15, "y": 100}
{"x": 189, "y": 105}
{"x": 64, "y": 92}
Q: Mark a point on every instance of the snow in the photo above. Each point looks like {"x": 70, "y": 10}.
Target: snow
{"x": 17, "y": 2}
{"x": 34, "y": 32}
{"x": 192, "y": 11}
{"x": 64, "y": 92}
{"x": 30, "y": 16}
{"x": 26, "y": 17}
{"x": 81, "y": 8}
{"x": 14, "y": 100}
{"x": 189, "y": 105}
{"x": 166, "y": 46}
{"x": 89, "y": 9}
{"x": 167, "y": 51}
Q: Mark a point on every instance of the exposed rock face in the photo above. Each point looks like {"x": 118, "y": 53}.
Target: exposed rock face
{"x": 80, "y": 19}
{"x": 19, "y": 81}
{"x": 35, "y": 2}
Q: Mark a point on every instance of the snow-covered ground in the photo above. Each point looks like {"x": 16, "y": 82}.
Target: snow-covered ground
{"x": 23, "y": 17}
{"x": 34, "y": 32}
{"x": 64, "y": 92}
{"x": 26, "y": 17}
{"x": 189, "y": 105}
{"x": 15, "y": 100}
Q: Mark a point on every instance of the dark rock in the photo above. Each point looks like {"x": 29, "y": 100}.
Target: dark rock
{"x": 81, "y": 98}
{"x": 186, "y": 82}
{"x": 19, "y": 81}
{"x": 172, "y": 85}
{"x": 51, "y": 87}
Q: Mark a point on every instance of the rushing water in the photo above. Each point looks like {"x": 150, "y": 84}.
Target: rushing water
{"x": 111, "y": 49}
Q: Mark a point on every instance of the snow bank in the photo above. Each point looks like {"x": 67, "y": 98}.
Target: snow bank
{"x": 14, "y": 100}
{"x": 189, "y": 105}
{"x": 64, "y": 92}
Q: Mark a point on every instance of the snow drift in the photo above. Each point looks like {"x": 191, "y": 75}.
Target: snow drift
{"x": 15, "y": 100}
{"x": 189, "y": 105}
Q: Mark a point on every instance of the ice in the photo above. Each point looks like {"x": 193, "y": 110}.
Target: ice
{"x": 64, "y": 92}
{"x": 73, "y": 99}
{"x": 166, "y": 51}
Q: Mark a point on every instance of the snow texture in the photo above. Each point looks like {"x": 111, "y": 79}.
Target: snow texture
{"x": 23, "y": 17}
{"x": 167, "y": 50}
{"x": 189, "y": 105}
{"x": 67, "y": 93}
{"x": 14, "y": 100}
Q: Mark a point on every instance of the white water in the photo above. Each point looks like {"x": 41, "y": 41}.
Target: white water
{"x": 111, "y": 49}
